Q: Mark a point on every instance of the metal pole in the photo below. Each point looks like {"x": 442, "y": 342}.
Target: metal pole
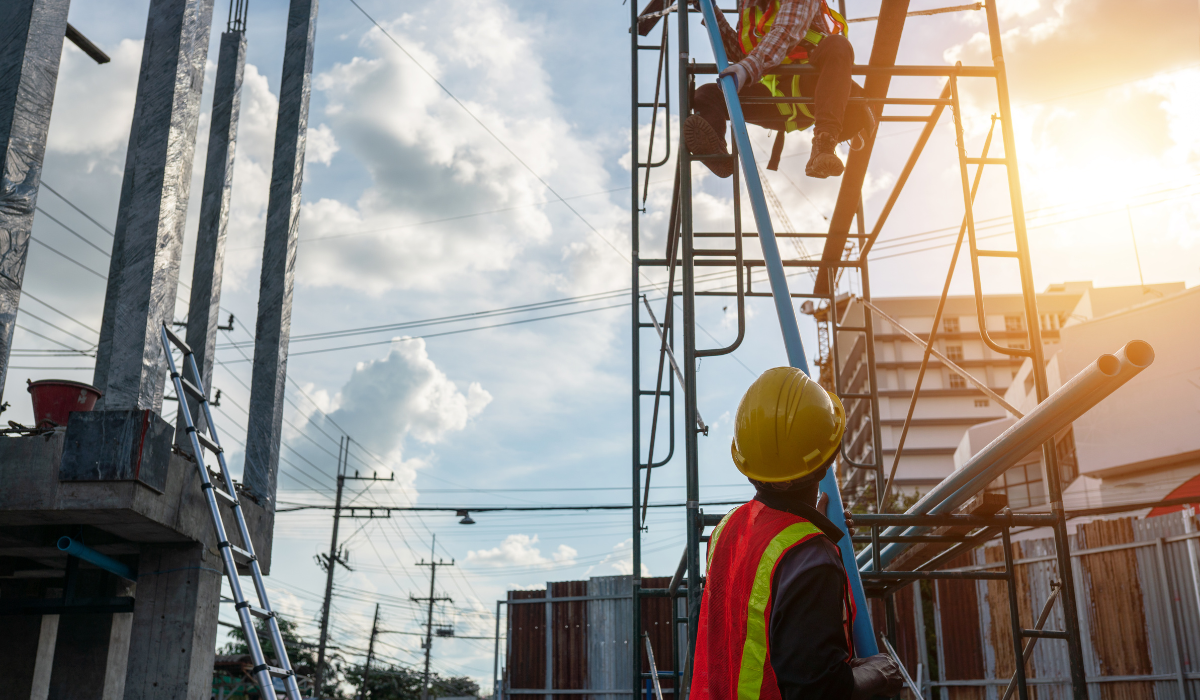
{"x": 1189, "y": 526}
{"x": 864, "y": 636}
{"x": 362, "y": 689}
{"x": 1014, "y": 612}
{"x": 1164, "y": 587}
{"x": 1050, "y": 460}
{"x": 692, "y": 464}
{"x": 549, "y": 627}
{"x": 429, "y": 618}
{"x": 635, "y": 344}
{"x": 329, "y": 564}
{"x": 496, "y": 657}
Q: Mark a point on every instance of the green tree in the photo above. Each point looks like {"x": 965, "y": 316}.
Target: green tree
{"x": 302, "y": 654}
{"x": 392, "y": 682}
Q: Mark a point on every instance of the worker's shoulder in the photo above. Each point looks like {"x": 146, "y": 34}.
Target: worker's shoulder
{"x": 813, "y": 553}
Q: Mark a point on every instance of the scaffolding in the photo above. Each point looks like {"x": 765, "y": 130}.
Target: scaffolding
{"x": 962, "y": 529}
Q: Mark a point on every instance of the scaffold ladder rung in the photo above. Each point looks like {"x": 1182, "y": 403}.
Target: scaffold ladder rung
{"x": 230, "y": 553}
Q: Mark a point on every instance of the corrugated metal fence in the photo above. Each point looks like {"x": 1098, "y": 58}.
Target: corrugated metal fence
{"x": 589, "y": 623}
{"x": 1138, "y": 586}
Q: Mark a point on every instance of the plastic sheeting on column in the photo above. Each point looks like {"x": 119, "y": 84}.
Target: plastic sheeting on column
{"x": 279, "y": 257}
{"x": 143, "y": 275}
{"x": 31, "y": 40}
{"x": 205, "y": 302}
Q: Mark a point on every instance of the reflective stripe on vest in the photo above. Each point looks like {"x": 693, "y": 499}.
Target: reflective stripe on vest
{"x": 733, "y": 645}
{"x": 753, "y": 24}
{"x": 754, "y": 651}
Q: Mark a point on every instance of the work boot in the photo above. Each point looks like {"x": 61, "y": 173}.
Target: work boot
{"x": 859, "y": 141}
{"x": 702, "y": 139}
{"x": 824, "y": 161}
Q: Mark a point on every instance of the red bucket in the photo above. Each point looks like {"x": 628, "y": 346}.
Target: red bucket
{"x": 54, "y": 399}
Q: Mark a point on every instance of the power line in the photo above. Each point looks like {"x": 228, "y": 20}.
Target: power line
{"x": 490, "y": 132}
{"x": 71, "y": 204}
{"x": 73, "y": 232}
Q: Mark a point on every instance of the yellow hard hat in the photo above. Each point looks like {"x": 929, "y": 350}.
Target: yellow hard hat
{"x": 787, "y": 426}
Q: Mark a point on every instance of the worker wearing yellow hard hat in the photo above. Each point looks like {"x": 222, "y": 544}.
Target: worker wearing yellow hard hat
{"x": 777, "y": 613}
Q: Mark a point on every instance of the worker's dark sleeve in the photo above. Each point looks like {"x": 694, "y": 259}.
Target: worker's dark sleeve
{"x": 808, "y": 642}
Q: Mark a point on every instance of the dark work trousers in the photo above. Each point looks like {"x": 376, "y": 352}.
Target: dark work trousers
{"x": 830, "y": 88}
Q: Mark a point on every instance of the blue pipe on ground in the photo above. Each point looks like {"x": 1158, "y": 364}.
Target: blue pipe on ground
{"x": 78, "y": 549}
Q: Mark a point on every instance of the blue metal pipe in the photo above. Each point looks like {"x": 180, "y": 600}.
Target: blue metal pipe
{"x": 864, "y": 635}
{"x": 86, "y": 553}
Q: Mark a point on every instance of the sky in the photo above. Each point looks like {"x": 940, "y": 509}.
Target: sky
{"x": 473, "y": 156}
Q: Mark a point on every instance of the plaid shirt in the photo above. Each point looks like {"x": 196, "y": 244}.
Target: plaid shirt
{"x": 790, "y": 25}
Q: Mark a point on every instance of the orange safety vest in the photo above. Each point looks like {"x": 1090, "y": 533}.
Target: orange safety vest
{"x": 753, "y": 24}
{"x": 733, "y": 649}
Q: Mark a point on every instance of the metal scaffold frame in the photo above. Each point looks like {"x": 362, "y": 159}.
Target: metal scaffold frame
{"x": 887, "y": 531}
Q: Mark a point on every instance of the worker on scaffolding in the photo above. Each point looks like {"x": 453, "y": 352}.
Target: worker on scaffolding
{"x": 771, "y": 33}
{"x": 777, "y": 614}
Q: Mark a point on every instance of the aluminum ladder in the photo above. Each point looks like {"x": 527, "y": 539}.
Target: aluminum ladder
{"x": 230, "y": 553}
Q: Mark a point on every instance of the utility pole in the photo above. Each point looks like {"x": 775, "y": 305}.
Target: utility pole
{"x": 337, "y": 555}
{"x": 362, "y": 691}
{"x": 433, "y": 598}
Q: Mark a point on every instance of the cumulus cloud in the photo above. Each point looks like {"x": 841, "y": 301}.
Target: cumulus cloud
{"x": 387, "y": 401}
{"x": 321, "y": 145}
{"x": 520, "y": 550}
{"x": 620, "y": 560}
{"x": 431, "y": 161}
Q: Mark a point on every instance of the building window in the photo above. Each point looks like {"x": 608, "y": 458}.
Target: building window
{"x": 957, "y": 382}
{"x": 1014, "y": 323}
{"x": 1023, "y": 486}
{"x": 1068, "y": 463}
{"x": 950, "y": 324}
{"x": 954, "y": 353}
{"x": 982, "y": 403}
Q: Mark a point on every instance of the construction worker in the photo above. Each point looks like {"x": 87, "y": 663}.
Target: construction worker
{"x": 777, "y": 612}
{"x": 771, "y": 33}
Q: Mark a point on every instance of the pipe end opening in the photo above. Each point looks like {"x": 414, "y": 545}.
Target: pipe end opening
{"x": 1109, "y": 364}
{"x": 64, "y": 543}
{"x": 1139, "y": 353}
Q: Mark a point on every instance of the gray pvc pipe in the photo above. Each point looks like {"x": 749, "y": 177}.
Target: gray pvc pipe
{"x": 1073, "y": 399}
{"x": 86, "y": 553}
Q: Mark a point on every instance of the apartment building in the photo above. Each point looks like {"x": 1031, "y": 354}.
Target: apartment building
{"x": 948, "y": 404}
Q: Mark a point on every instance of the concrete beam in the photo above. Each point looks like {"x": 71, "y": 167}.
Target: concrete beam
{"x": 204, "y": 305}
{"x": 279, "y": 259}
{"x": 143, "y": 275}
{"x": 172, "y": 642}
{"x": 31, "y": 39}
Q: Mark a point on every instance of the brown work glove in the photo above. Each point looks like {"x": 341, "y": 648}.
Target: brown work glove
{"x": 875, "y": 675}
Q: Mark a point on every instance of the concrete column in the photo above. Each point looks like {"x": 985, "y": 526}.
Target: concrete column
{"x": 44, "y": 665}
{"x": 173, "y": 636}
{"x": 31, "y": 39}
{"x": 279, "y": 259}
{"x": 117, "y": 662}
{"x": 144, "y": 272}
{"x": 204, "y": 307}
